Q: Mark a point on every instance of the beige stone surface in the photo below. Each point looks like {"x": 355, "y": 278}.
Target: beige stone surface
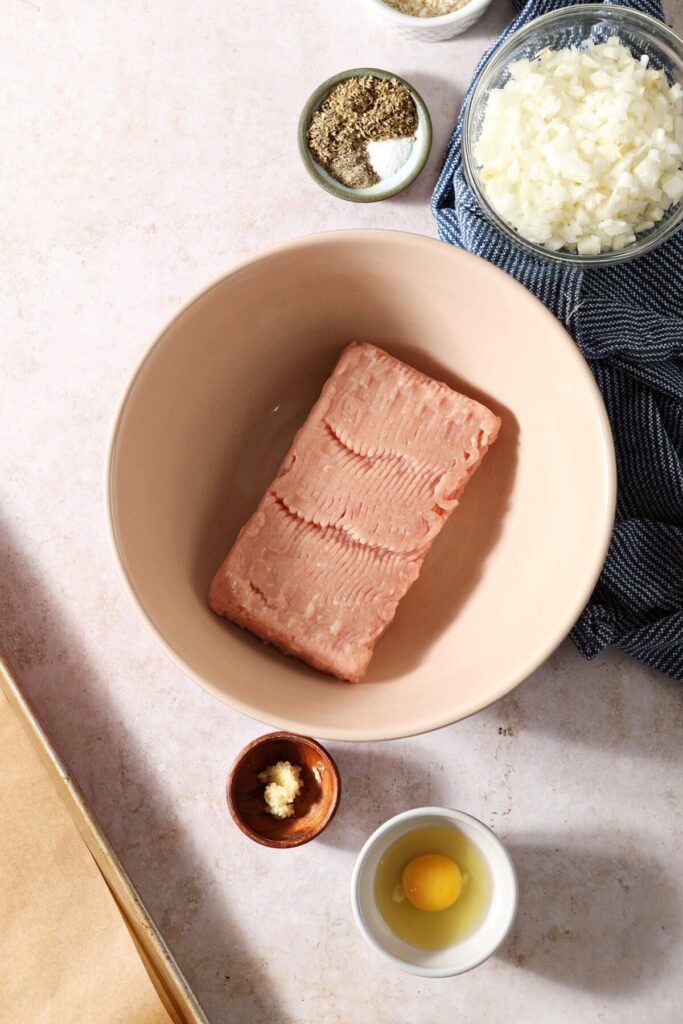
{"x": 145, "y": 146}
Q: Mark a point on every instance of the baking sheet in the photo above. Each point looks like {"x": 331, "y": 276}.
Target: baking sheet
{"x": 77, "y": 943}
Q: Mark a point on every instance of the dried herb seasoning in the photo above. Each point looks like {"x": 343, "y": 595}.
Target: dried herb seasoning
{"x": 357, "y": 111}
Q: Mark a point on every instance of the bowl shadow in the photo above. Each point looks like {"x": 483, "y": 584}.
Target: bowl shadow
{"x": 492, "y": 22}
{"x": 591, "y": 920}
{"x": 361, "y": 766}
{"x": 443, "y": 100}
{"x": 168, "y": 866}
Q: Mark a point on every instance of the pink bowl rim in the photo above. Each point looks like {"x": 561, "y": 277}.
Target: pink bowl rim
{"x": 431, "y": 722}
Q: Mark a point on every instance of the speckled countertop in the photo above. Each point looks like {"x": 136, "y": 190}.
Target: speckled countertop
{"x": 146, "y": 146}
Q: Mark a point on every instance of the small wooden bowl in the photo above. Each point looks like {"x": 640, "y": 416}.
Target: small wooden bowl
{"x": 315, "y": 806}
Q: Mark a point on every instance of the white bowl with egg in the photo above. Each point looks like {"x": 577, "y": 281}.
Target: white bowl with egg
{"x": 488, "y": 934}
{"x": 429, "y": 29}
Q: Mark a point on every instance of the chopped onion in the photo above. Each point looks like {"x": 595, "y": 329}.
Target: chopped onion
{"x": 581, "y": 148}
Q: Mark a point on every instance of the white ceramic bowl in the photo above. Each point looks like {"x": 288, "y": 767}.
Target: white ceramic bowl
{"x": 461, "y": 956}
{"x": 429, "y": 30}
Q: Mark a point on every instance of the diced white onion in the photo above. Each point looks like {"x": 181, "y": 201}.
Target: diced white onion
{"x": 581, "y": 148}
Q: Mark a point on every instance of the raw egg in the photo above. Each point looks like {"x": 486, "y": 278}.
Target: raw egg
{"x": 432, "y": 886}
{"x": 431, "y": 881}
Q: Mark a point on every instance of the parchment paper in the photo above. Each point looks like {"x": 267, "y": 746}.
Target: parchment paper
{"x": 66, "y": 956}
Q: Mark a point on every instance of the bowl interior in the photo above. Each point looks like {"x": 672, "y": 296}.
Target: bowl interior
{"x": 472, "y": 950}
{"x": 215, "y": 404}
{"x": 313, "y": 808}
{"x": 574, "y": 26}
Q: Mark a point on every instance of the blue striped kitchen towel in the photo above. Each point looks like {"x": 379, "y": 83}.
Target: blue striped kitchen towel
{"x": 628, "y": 322}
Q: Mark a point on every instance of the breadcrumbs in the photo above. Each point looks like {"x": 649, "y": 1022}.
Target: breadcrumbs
{"x": 426, "y": 8}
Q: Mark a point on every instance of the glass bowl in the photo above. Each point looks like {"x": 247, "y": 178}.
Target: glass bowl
{"x": 570, "y": 26}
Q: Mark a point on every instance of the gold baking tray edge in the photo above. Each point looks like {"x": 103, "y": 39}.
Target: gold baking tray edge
{"x": 171, "y": 985}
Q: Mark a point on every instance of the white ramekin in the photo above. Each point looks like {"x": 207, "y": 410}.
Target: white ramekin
{"x": 429, "y": 30}
{"x": 461, "y": 956}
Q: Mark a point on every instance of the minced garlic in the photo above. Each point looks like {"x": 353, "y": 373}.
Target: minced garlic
{"x": 283, "y": 785}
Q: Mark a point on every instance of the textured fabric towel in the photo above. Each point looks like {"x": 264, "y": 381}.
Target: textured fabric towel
{"x": 628, "y": 322}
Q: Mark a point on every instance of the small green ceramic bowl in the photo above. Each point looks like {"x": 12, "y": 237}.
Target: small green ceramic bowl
{"x": 388, "y": 186}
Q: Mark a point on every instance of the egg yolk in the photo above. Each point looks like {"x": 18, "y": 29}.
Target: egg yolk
{"x": 432, "y": 881}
